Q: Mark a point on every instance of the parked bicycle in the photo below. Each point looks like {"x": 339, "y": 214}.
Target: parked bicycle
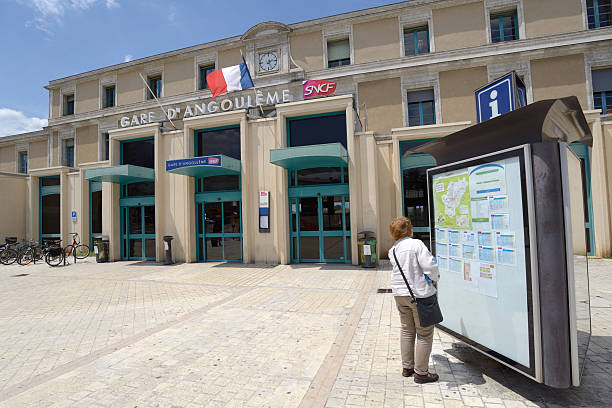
{"x": 35, "y": 252}
{"x": 54, "y": 254}
{"x": 9, "y": 252}
{"x": 28, "y": 253}
{"x": 76, "y": 249}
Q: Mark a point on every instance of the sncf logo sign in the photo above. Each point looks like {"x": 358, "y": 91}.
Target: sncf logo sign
{"x": 313, "y": 88}
{"x": 213, "y": 160}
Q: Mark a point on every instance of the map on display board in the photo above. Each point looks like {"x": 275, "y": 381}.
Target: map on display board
{"x": 479, "y": 236}
{"x": 470, "y": 212}
{"x": 452, "y": 201}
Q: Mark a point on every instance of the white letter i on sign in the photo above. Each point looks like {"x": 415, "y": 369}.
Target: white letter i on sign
{"x": 493, "y": 105}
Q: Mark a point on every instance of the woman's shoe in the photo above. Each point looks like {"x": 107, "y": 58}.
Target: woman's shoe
{"x": 407, "y": 372}
{"x": 427, "y": 378}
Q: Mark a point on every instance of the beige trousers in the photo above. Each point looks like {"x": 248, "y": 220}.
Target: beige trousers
{"x": 418, "y": 358}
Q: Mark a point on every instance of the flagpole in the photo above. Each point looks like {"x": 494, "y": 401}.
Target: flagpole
{"x": 251, "y": 78}
{"x": 157, "y": 100}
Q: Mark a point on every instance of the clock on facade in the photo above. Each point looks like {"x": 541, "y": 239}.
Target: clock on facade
{"x": 268, "y": 61}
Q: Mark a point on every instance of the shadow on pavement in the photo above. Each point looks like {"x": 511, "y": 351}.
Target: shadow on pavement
{"x": 147, "y": 263}
{"x": 497, "y": 379}
{"x": 241, "y": 265}
{"x": 323, "y": 267}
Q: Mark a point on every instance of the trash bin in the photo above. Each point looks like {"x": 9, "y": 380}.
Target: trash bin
{"x": 168, "y": 249}
{"x": 366, "y": 245}
{"x": 101, "y": 249}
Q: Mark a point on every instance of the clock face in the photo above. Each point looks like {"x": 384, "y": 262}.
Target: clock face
{"x": 268, "y": 61}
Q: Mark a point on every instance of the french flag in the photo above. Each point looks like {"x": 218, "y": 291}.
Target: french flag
{"x": 235, "y": 78}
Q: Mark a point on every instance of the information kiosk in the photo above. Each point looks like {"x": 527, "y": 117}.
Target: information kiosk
{"x": 508, "y": 220}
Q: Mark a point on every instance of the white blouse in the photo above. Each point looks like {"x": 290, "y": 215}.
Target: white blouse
{"x": 416, "y": 262}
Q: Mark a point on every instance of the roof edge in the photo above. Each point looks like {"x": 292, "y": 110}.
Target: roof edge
{"x": 239, "y": 38}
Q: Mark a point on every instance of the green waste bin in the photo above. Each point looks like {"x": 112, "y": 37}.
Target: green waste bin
{"x": 101, "y": 249}
{"x": 366, "y": 245}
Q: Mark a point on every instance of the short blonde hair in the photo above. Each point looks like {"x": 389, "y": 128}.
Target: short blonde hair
{"x": 400, "y": 227}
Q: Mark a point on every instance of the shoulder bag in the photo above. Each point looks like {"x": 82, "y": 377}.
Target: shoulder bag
{"x": 427, "y": 308}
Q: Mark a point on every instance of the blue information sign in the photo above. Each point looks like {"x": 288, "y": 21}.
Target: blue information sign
{"x": 194, "y": 161}
{"x": 496, "y": 98}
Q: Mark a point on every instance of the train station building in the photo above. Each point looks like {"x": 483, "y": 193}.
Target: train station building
{"x": 290, "y": 170}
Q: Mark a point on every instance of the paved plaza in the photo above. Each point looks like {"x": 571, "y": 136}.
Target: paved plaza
{"x": 133, "y": 334}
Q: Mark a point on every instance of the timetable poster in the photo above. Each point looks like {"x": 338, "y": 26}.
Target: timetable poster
{"x": 473, "y": 217}
{"x": 478, "y": 217}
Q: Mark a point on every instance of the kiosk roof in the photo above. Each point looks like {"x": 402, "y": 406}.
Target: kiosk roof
{"x": 558, "y": 120}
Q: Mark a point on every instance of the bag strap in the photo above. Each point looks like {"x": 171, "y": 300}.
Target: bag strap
{"x": 403, "y": 276}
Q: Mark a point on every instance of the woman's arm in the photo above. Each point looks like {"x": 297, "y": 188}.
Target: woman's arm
{"x": 427, "y": 263}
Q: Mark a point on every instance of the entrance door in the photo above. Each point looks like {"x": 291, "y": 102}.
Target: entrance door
{"x": 582, "y": 151}
{"x": 414, "y": 193}
{"x": 219, "y": 231}
{"x": 138, "y": 232}
{"x": 320, "y": 229}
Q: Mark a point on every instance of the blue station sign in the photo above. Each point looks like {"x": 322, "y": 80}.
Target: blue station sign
{"x": 500, "y": 96}
{"x": 194, "y": 161}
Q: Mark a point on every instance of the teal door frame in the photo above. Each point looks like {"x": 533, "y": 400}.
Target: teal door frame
{"x": 94, "y": 187}
{"x": 125, "y": 203}
{"x": 126, "y": 235}
{"x": 44, "y": 191}
{"x": 582, "y": 151}
{"x": 413, "y": 161}
{"x": 216, "y": 197}
{"x": 220, "y": 196}
{"x": 318, "y": 191}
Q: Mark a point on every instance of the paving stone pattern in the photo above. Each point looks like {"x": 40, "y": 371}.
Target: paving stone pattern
{"x": 134, "y": 334}
{"x": 370, "y": 374}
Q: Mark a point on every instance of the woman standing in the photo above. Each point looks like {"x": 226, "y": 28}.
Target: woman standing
{"x": 421, "y": 271}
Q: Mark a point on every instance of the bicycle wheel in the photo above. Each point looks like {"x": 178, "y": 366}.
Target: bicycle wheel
{"x": 9, "y": 256}
{"x": 39, "y": 253}
{"x": 81, "y": 251}
{"x": 54, "y": 258}
{"x": 26, "y": 257}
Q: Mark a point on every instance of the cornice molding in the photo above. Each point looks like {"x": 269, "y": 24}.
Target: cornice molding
{"x": 49, "y": 171}
{"x": 563, "y": 44}
{"x": 340, "y": 102}
{"x": 265, "y": 29}
{"x": 26, "y": 137}
{"x": 231, "y": 42}
{"x": 428, "y": 131}
{"x": 578, "y": 41}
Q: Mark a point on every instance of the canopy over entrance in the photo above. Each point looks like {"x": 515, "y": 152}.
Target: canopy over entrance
{"x": 204, "y": 166}
{"x": 305, "y": 157}
{"x": 125, "y": 173}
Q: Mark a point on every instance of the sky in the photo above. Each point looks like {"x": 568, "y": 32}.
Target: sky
{"x": 43, "y": 40}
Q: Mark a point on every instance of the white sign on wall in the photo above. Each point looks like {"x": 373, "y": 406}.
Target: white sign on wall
{"x": 264, "y": 211}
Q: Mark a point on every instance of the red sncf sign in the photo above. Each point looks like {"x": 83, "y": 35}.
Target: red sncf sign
{"x": 319, "y": 87}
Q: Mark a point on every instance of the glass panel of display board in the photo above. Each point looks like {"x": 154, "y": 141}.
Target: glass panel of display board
{"x": 576, "y": 216}
{"x": 480, "y": 236}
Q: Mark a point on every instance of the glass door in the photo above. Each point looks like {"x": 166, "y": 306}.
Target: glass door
{"x": 138, "y": 232}
{"x": 320, "y": 229}
{"x": 414, "y": 193}
{"x": 219, "y": 231}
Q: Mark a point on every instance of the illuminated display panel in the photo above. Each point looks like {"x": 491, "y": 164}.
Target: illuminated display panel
{"x": 480, "y": 237}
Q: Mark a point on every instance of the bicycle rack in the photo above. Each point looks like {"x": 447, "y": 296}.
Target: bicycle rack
{"x": 73, "y": 254}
